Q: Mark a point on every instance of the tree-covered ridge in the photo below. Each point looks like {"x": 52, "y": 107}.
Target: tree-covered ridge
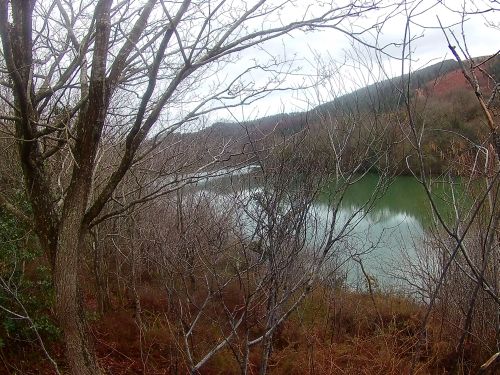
{"x": 452, "y": 113}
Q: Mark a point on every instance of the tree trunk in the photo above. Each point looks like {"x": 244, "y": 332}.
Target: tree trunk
{"x": 69, "y": 309}
{"x": 267, "y": 344}
{"x": 100, "y": 272}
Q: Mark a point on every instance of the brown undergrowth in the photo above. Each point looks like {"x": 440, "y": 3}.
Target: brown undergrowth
{"x": 333, "y": 332}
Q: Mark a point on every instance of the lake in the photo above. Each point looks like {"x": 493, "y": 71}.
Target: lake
{"x": 383, "y": 237}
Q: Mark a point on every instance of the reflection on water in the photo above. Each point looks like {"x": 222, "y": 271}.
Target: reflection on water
{"x": 404, "y": 196}
{"x": 378, "y": 237}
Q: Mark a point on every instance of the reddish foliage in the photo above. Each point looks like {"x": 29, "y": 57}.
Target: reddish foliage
{"x": 454, "y": 81}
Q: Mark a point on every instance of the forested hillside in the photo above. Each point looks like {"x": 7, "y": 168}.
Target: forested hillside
{"x": 450, "y": 105}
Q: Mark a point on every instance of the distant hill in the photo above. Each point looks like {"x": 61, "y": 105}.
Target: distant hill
{"x": 439, "y": 79}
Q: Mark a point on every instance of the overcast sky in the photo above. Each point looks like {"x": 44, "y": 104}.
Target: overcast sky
{"x": 353, "y": 66}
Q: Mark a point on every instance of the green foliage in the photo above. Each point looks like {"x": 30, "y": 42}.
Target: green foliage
{"x": 25, "y": 283}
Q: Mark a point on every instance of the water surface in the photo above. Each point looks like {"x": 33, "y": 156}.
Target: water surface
{"x": 383, "y": 235}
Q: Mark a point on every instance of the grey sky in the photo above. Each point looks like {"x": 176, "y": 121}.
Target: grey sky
{"x": 354, "y": 66}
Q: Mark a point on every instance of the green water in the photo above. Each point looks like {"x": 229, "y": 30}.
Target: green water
{"x": 395, "y": 225}
{"x": 402, "y": 195}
